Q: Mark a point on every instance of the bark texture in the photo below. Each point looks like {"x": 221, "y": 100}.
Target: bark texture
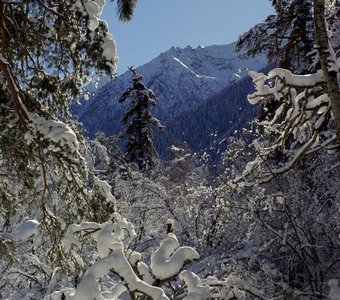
{"x": 330, "y": 76}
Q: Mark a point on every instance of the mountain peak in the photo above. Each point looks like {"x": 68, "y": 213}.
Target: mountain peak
{"x": 181, "y": 78}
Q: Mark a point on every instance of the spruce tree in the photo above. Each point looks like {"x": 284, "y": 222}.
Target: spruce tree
{"x": 125, "y": 9}
{"x": 49, "y": 51}
{"x": 139, "y": 120}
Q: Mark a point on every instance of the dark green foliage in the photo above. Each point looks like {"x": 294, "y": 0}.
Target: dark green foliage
{"x": 53, "y": 36}
{"x": 285, "y": 36}
{"x": 139, "y": 120}
{"x": 49, "y": 50}
{"x": 125, "y": 9}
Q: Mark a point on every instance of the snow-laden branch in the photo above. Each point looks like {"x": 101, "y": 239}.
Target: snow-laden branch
{"x": 118, "y": 263}
{"x": 113, "y": 240}
{"x": 105, "y": 234}
{"x": 277, "y": 79}
{"x": 168, "y": 260}
{"x": 300, "y": 123}
{"x": 196, "y": 289}
{"x": 104, "y": 189}
{"x": 56, "y": 132}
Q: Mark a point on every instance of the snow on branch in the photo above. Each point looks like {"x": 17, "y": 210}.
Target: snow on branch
{"x": 59, "y": 135}
{"x": 277, "y": 79}
{"x": 298, "y": 119}
{"x": 113, "y": 255}
{"x": 168, "y": 260}
{"x": 117, "y": 262}
{"x": 196, "y": 289}
{"x": 25, "y": 229}
{"x": 104, "y": 234}
{"x": 104, "y": 189}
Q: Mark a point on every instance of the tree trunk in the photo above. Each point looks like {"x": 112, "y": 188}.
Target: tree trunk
{"x": 326, "y": 61}
{"x": 12, "y": 85}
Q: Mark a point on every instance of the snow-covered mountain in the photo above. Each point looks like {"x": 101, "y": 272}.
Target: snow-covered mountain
{"x": 182, "y": 79}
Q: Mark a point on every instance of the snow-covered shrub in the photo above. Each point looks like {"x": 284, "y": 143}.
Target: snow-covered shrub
{"x": 285, "y": 231}
{"x": 116, "y": 270}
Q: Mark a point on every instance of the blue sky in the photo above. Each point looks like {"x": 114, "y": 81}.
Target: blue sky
{"x": 159, "y": 24}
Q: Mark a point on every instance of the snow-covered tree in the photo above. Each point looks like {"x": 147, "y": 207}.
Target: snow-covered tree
{"x": 300, "y": 112}
{"x": 119, "y": 270}
{"x": 302, "y": 92}
{"x": 282, "y": 232}
{"x": 139, "y": 120}
{"x": 109, "y": 152}
{"x": 49, "y": 51}
{"x": 329, "y": 61}
{"x": 286, "y": 36}
{"x": 286, "y": 193}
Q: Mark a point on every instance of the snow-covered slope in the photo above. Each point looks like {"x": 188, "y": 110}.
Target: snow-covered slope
{"x": 181, "y": 79}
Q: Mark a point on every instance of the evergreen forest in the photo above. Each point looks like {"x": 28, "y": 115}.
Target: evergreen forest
{"x": 253, "y": 214}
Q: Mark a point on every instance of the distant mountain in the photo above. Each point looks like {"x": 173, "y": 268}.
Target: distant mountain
{"x": 206, "y": 125}
{"x": 182, "y": 79}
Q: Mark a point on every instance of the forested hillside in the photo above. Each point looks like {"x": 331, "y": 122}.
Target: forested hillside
{"x": 210, "y": 122}
{"x": 84, "y": 218}
{"x": 199, "y": 91}
{"x": 181, "y": 78}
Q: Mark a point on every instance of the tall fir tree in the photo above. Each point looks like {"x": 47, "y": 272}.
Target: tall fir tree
{"x": 139, "y": 120}
{"x": 125, "y": 9}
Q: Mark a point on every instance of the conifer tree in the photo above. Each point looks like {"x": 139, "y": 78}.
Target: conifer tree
{"x": 125, "y": 9}
{"x": 139, "y": 120}
{"x": 296, "y": 27}
{"x": 48, "y": 51}
{"x": 286, "y": 36}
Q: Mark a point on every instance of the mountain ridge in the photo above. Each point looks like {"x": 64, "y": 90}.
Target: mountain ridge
{"x": 181, "y": 78}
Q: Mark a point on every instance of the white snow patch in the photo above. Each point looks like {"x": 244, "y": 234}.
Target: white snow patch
{"x": 109, "y": 52}
{"x": 169, "y": 258}
{"x": 94, "y": 10}
{"x": 170, "y": 222}
{"x": 56, "y": 131}
{"x": 104, "y": 189}
{"x": 196, "y": 289}
{"x": 191, "y": 71}
{"x": 26, "y": 229}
